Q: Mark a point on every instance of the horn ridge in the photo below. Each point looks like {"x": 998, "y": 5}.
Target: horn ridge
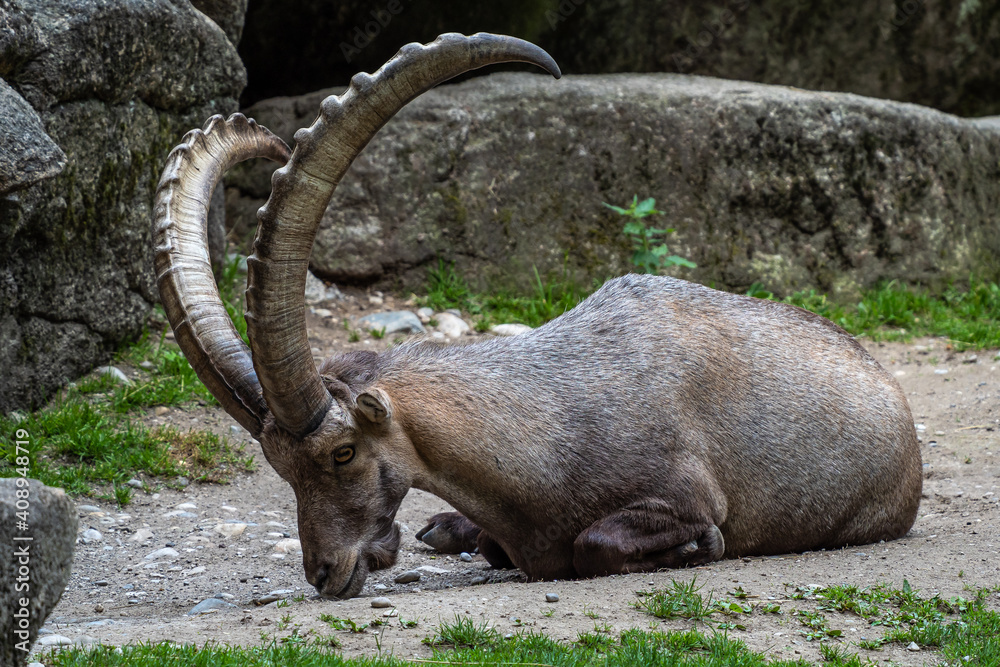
{"x": 191, "y": 300}
{"x": 301, "y": 191}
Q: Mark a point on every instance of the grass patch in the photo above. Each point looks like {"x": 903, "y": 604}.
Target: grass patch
{"x": 966, "y": 633}
{"x": 969, "y": 318}
{"x": 231, "y": 287}
{"x": 633, "y": 647}
{"x": 76, "y": 444}
{"x": 550, "y": 299}
{"x": 965, "y": 630}
{"x": 166, "y": 378}
{"x": 287, "y": 654}
{"x": 683, "y": 600}
{"x": 91, "y": 436}
{"x": 464, "y": 632}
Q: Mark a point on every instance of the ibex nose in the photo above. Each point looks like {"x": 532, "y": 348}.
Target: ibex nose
{"x": 318, "y": 576}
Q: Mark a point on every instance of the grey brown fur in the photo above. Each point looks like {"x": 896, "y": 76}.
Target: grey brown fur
{"x": 658, "y": 424}
{"x": 635, "y": 424}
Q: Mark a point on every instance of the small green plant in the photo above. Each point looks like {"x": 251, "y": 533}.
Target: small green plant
{"x": 863, "y": 602}
{"x": 464, "y": 632}
{"x": 377, "y": 334}
{"x": 326, "y": 642}
{"x": 231, "y": 285}
{"x": 648, "y": 243}
{"x": 343, "y": 623}
{"x": 683, "y": 600}
{"x": 598, "y": 641}
{"x": 284, "y": 622}
{"x": 295, "y": 638}
{"x": 590, "y": 613}
{"x": 839, "y": 656}
{"x": 739, "y": 593}
{"x": 407, "y": 623}
{"x": 816, "y": 627}
{"x": 353, "y": 335}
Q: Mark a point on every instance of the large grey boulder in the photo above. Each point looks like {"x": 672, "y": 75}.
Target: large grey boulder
{"x": 790, "y": 188}
{"x": 940, "y": 53}
{"x": 27, "y": 153}
{"x": 18, "y": 37}
{"x": 227, "y": 14}
{"x": 37, "y": 538}
{"x": 115, "y": 86}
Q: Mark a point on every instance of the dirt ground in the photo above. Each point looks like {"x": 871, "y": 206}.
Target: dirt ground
{"x": 117, "y": 595}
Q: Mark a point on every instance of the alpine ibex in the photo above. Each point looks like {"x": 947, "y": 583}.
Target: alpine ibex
{"x": 658, "y": 424}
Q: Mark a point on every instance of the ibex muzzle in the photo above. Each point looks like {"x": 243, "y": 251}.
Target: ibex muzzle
{"x": 658, "y": 424}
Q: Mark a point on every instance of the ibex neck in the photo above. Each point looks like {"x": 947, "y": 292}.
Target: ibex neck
{"x": 476, "y": 429}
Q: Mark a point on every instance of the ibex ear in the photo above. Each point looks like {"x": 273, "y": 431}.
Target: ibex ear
{"x": 375, "y": 406}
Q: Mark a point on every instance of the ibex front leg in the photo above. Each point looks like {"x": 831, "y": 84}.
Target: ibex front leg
{"x": 644, "y": 536}
{"x": 452, "y": 533}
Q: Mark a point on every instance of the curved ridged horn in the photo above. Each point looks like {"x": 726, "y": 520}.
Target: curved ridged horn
{"x": 301, "y": 191}
{"x": 184, "y": 272}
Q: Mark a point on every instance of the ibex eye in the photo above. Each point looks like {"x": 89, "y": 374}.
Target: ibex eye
{"x": 343, "y": 455}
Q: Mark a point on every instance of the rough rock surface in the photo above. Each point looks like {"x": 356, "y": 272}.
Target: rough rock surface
{"x": 790, "y": 188}
{"x": 296, "y": 46}
{"x": 76, "y": 276}
{"x": 27, "y": 154}
{"x": 51, "y": 523}
{"x": 940, "y": 53}
{"x": 227, "y": 14}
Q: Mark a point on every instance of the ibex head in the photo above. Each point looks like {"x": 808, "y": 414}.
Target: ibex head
{"x": 334, "y": 440}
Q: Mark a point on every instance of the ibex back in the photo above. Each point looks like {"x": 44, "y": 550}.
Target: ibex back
{"x": 658, "y": 424}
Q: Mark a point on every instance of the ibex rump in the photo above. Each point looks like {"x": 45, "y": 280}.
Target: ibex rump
{"x": 658, "y": 424}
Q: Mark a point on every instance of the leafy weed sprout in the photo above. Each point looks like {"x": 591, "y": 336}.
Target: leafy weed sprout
{"x": 649, "y": 246}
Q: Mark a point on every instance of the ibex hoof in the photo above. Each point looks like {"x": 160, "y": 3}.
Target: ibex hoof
{"x": 686, "y": 550}
{"x": 450, "y": 533}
